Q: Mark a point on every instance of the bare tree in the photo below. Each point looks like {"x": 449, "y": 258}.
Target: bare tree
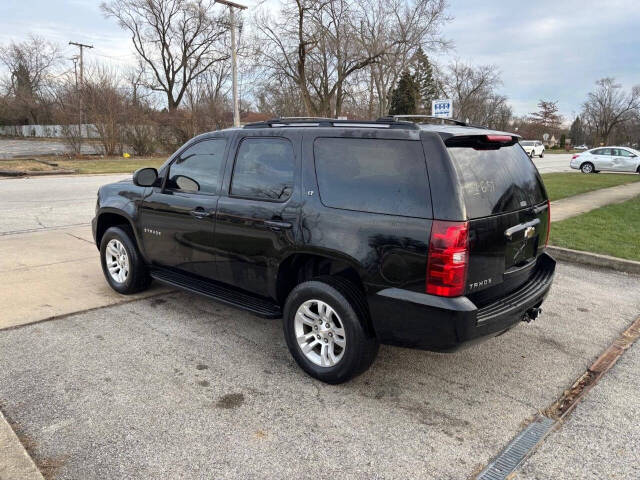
{"x": 178, "y": 40}
{"x": 547, "y": 116}
{"x": 316, "y": 44}
{"x": 608, "y": 107}
{"x": 107, "y": 108}
{"x": 399, "y": 29}
{"x": 30, "y": 65}
{"x": 473, "y": 90}
{"x": 67, "y": 112}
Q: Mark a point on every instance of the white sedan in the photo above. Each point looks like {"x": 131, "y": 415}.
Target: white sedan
{"x": 615, "y": 159}
{"x": 533, "y": 148}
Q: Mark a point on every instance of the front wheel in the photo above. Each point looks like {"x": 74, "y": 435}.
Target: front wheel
{"x": 542, "y": 154}
{"x": 122, "y": 264}
{"x": 587, "y": 167}
{"x": 326, "y": 329}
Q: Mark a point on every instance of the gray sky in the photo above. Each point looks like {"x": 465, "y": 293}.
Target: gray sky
{"x": 544, "y": 49}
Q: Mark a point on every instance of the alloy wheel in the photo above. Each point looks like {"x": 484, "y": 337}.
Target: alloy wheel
{"x": 320, "y": 333}
{"x": 117, "y": 260}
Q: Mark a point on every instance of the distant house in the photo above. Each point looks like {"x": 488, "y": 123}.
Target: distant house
{"x": 552, "y": 142}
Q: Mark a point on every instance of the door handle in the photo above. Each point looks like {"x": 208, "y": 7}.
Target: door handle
{"x": 277, "y": 224}
{"x": 200, "y": 213}
{"x": 510, "y": 232}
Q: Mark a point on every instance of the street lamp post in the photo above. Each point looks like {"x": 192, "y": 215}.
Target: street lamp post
{"x": 234, "y": 61}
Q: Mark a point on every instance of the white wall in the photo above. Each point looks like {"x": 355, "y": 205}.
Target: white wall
{"x": 45, "y": 131}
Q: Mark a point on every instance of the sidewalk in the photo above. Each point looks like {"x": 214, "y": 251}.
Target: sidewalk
{"x": 15, "y": 462}
{"x": 61, "y": 274}
{"x": 585, "y": 202}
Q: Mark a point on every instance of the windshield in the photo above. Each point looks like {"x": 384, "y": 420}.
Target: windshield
{"x": 526, "y": 143}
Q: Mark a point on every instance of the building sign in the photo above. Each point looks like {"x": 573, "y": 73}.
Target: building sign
{"x": 442, "y": 108}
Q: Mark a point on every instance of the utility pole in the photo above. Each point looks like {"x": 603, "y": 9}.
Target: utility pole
{"x": 81, "y": 46}
{"x": 234, "y": 59}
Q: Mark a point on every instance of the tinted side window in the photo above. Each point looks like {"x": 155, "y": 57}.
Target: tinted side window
{"x": 602, "y": 151}
{"x": 619, "y": 152}
{"x": 373, "y": 175}
{"x": 496, "y": 181}
{"x": 199, "y": 167}
{"x": 264, "y": 169}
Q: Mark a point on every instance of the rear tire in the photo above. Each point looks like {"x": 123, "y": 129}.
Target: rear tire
{"x": 122, "y": 264}
{"x": 587, "y": 167}
{"x": 328, "y": 318}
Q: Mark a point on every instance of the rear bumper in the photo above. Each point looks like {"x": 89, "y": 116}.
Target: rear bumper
{"x": 418, "y": 320}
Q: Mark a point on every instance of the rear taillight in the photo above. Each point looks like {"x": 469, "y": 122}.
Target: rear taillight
{"x": 499, "y": 138}
{"x": 448, "y": 258}
{"x": 546, "y": 240}
{"x": 575, "y": 156}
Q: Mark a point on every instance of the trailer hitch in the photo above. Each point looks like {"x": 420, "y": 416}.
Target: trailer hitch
{"x": 532, "y": 314}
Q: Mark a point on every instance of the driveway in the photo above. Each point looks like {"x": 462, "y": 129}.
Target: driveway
{"x": 48, "y": 261}
{"x": 177, "y": 386}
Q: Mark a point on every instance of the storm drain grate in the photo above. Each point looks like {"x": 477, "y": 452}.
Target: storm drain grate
{"x": 517, "y": 450}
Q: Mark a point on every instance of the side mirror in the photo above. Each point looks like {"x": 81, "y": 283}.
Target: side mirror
{"x": 145, "y": 177}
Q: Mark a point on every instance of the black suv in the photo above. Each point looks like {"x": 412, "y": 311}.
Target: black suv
{"x": 356, "y": 233}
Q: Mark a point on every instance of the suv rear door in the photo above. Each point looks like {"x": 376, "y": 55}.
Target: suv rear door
{"x": 506, "y": 206}
{"x": 257, "y": 217}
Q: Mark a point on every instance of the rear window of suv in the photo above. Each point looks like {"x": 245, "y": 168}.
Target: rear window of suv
{"x": 496, "y": 181}
{"x": 373, "y": 175}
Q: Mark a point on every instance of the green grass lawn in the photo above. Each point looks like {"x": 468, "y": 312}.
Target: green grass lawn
{"x": 561, "y": 185}
{"x": 612, "y": 230}
{"x": 110, "y": 164}
{"x": 82, "y": 165}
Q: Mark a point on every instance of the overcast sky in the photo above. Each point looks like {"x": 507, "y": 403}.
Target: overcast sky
{"x": 543, "y": 48}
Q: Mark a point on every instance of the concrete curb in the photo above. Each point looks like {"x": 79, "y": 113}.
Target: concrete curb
{"x": 15, "y": 462}
{"x": 595, "y": 260}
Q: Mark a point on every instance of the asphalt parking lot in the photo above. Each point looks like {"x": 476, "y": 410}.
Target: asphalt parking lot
{"x": 176, "y": 386}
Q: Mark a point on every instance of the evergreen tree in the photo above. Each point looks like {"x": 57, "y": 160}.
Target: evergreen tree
{"x": 426, "y": 82}
{"x": 577, "y": 132}
{"x": 406, "y": 95}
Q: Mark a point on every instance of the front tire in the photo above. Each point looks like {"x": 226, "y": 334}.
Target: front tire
{"x": 326, "y": 329}
{"x": 122, "y": 264}
{"x": 542, "y": 154}
{"x": 587, "y": 167}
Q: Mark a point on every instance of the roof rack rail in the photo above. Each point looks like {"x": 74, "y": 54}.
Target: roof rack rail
{"x": 432, "y": 117}
{"x": 385, "y": 122}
